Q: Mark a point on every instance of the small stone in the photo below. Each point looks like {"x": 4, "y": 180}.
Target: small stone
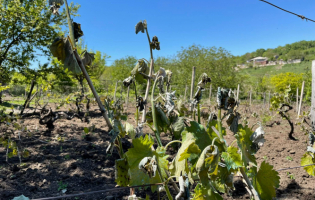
{"x": 292, "y": 152}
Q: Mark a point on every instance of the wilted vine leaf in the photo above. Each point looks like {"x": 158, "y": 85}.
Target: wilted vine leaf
{"x": 163, "y": 122}
{"x": 232, "y": 158}
{"x": 245, "y": 144}
{"x": 138, "y": 71}
{"x": 265, "y": 181}
{"x": 142, "y": 148}
{"x": 121, "y": 172}
{"x": 307, "y": 159}
{"x": 22, "y": 197}
{"x": 178, "y": 127}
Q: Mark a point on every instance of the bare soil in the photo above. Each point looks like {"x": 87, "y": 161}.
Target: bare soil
{"x": 83, "y": 165}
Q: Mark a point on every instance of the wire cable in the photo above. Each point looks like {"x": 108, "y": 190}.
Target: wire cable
{"x": 300, "y": 16}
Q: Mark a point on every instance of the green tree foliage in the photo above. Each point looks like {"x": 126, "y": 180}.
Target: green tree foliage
{"x": 27, "y": 28}
{"x": 281, "y": 81}
{"x": 216, "y": 61}
{"x": 121, "y": 68}
{"x": 259, "y": 52}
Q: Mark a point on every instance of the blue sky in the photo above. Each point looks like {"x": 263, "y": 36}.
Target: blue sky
{"x": 239, "y": 26}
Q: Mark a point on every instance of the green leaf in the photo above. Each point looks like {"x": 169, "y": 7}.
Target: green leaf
{"x": 121, "y": 176}
{"x": 198, "y": 131}
{"x": 213, "y": 135}
{"x": 10, "y": 154}
{"x": 86, "y": 130}
{"x": 191, "y": 149}
{"x": 142, "y": 148}
{"x": 130, "y": 130}
{"x": 265, "y": 181}
{"x": 307, "y": 159}
{"x": 123, "y": 117}
{"x": 180, "y": 166}
{"x": 245, "y": 144}
{"x": 232, "y": 158}
{"x": 208, "y": 161}
{"x": 222, "y": 179}
{"x": 205, "y": 193}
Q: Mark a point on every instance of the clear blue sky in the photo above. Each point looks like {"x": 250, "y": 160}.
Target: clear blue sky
{"x": 239, "y": 26}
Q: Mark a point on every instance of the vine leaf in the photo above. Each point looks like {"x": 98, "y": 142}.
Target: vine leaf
{"x": 245, "y": 144}
{"x": 207, "y": 163}
{"x": 205, "y": 193}
{"x": 198, "y": 131}
{"x": 180, "y": 165}
{"x": 22, "y": 197}
{"x": 232, "y": 158}
{"x": 191, "y": 149}
{"x": 265, "y": 181}
{"x": 130, "y": 130}
{"x": 223, "y": 179}
{"x": 213, "y": 135}
{"x": 122, "y": 177}
{"x": 178, "y": 127}
{"x": 307, "y": 159}
{"x": 141, "y": 149}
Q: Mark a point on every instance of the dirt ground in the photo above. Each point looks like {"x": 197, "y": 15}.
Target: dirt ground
{"x": 83, "y": 165}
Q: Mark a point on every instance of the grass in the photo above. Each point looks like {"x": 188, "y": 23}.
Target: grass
{"x": 276, "y": 69}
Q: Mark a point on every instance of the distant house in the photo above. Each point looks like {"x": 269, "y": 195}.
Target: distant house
{"x": 259, "y": 61}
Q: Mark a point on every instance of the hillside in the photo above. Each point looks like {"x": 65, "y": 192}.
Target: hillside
{"x": 276, "y": 69}
{"x": 304, "y": 50}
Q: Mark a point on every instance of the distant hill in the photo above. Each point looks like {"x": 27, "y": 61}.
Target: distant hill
{"x": 304, "y": 50}
{"x": 268, "y": 71}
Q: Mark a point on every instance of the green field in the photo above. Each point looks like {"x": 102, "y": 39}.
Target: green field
{"x": 276, "y": 69}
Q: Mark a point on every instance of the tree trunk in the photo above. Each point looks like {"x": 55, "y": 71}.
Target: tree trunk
{"x": 28, "y": 97}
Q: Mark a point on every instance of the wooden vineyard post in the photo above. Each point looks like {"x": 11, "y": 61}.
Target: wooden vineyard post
{"x": 301, "y": 99}
{"x": 192, "y": 82}
{"x": 192, "y": 86}
{"x": 115, "y": 90}
{"x": 297, "y": 100}
{"x": 25, "y": 93}
{"x": 269, "y": 101}
{"x": 127, "y": 100}
{"x": 250, "y": 97}
{"x": 238, "y": 92}
{"x": 313, "y": 97}
{"x": 210, "y": 91}
{"x": 185, "y": 92}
